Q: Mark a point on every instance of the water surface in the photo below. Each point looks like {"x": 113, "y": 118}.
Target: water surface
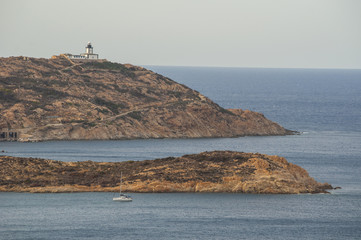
{"x": 325, "y": 105}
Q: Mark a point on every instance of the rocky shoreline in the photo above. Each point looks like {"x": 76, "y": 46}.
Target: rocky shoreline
{"x": 218, "y": 171}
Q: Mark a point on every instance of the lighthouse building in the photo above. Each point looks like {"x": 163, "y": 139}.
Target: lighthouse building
{"x": 87, "y": 55}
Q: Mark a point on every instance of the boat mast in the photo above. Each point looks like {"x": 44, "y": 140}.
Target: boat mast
{"x": 120, "y": 187}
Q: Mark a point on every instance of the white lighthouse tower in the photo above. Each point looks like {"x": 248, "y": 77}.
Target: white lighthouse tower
{"x": 89, "y": 48}
{"x": 89, "y": 52}
{"x": 88, "y": 55}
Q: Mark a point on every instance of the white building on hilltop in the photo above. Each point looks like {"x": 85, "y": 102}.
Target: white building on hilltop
{"x": 87, "y": 55}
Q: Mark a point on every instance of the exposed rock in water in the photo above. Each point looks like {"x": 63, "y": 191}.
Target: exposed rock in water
{"x": 218, "y": 171}
{"x": 56, "y": 99}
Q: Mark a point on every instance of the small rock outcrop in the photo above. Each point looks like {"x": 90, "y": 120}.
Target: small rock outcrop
{"x": 218, "y": 171}
{"x": 60, "y": 99}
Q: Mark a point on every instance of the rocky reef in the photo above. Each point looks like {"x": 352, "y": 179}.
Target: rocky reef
{"x": 60, "y": 99}
{"x": 218, "y": 171}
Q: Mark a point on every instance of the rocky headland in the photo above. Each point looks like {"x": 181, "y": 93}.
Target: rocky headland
{"x": 218, "y": 171}
{"x": 60, "y": 99}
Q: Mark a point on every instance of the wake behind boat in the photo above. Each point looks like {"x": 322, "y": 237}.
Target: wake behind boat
{"x": 122, "y": 197}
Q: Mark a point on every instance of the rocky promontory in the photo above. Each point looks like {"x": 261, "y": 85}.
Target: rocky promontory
{"x": 218, "y": 171}
{"x": 60, "y": 99}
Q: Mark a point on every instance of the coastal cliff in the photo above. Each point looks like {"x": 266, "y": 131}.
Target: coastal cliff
{"x": 218, "y": 171}
{"x": 61, "y": 99}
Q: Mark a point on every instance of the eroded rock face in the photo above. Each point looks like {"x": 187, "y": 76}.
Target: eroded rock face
{"x": 218, "y": 171}
{"x": 56, "y": 99}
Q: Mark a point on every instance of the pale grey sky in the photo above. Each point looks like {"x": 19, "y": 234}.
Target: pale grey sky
{"x": 227, "y": 33}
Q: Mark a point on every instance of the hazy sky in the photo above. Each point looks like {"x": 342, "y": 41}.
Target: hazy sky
{"x": 232, "y": 33}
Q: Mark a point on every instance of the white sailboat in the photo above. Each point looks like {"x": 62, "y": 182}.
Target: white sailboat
{"x": 122, "y": 197}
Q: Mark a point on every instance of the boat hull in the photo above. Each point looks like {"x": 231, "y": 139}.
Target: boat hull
{"x": 120, "y": 199}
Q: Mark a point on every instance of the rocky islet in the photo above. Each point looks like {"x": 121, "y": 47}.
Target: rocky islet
{"x": 217, "y": 171}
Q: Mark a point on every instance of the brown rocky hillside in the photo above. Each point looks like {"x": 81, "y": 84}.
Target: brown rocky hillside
{"x": 218, "y": 171}
{"x": 48, "y": 99}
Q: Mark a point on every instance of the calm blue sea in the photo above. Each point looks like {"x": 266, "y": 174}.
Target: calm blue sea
{"x": 325, "y": 105}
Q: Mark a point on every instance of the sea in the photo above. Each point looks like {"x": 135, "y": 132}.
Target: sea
{"x": 323, "y": 105}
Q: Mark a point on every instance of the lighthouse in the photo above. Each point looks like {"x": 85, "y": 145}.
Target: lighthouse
{"x": 88, "y": 55}
{"x": 89, "y": 52}
{"x": 89, "y": 48}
